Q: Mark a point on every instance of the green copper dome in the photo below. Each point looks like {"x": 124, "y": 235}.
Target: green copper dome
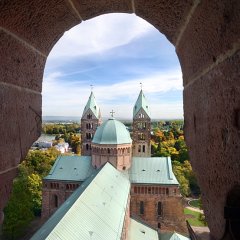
{"x": 112, "y": 132}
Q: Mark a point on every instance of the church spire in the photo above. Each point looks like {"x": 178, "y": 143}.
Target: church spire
{"x": 90, "y": 120}
{"x": 141, "y": 134}
{"x": 141, "y": 103}
{"x": 92, "y": 105}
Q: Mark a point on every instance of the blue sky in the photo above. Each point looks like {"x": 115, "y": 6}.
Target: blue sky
{"x": 113, "y": 52}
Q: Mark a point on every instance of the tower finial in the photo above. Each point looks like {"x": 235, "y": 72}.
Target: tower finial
{"x": 91, "y": 87}
{"x": 141, "y": 85}
{"x": 112, "y": 112}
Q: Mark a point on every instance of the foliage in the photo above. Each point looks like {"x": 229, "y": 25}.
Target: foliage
{"x": 168, "y": 141}
{"x": 195, "y": 203}
{"x": 25, "y": 200}
{"x": 59, "y": 128}
{"x": 18, "y": 213}
{"x": 202, "y": 219}
{"x": 39, "y": 161}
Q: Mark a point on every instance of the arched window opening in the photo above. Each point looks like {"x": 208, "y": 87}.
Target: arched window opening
{"x": 159, "y": 225}
{"x": 159, "y": 209}
{"x": 87, "y": 146}
{"x": 143, "y": 148}
{"x": 55, "y": 201}
{"x": 141, "y": 209}
{"x": 89, "y": 116}
{"x": 139, "y": 148}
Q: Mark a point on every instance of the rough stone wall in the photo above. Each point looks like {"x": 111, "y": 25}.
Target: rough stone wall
{"x": 95, "y": 122}
{"x": 138, "y": 132}
{"x": 210, "y": 63}
{"x": 206, "y": 35}
{"x": 172, "y": 217}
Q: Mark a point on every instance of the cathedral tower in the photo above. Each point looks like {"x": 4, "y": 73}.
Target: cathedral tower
{"x": 90, "y": 120}
{"x": 141, "y": 128}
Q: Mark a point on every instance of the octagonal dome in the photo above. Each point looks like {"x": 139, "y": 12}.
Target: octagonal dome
{"x": 112, "y": 132}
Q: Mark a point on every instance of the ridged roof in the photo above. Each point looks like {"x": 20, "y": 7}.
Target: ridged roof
{"x": 172, "y": 236}
{"x": 112, "y": 132}
{"x": 140, "y": 231}
{"x": 141, "y": 103}
{"x": 155, "y": 170}
{"x": 72, "y": 168}
{"x": 92, "y": 105}
{"x": 96, "y": 210}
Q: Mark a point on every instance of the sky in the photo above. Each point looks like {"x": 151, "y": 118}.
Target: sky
{"x": 114, "y": 53}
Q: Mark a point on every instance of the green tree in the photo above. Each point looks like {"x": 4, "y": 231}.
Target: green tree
{"x": 18, "y": 213}
{"x": 34, "y": 182}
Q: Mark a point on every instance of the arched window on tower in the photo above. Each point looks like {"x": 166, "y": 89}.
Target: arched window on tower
{"x": 87, "y": 147}
{"x": 141, "y": 209}
{"x": 55, "y": 199}
{"x": 143, "y": 148}
{"x": 159, "y": 209}
{"x": 139, "y": 148}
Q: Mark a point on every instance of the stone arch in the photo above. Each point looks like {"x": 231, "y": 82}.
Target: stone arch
{"x": 207, "y": 43}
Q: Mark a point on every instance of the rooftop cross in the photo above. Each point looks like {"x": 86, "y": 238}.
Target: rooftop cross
{"x": 91, "y": 87}
{"x": 141, "y": 85}
{"x": 112, "y": 112}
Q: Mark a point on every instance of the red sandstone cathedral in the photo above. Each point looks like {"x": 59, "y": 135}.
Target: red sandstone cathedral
{"x": 115, "y": 190}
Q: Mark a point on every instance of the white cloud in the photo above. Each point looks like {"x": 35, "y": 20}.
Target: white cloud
{"x": 100, "y": 34}
{"x": 93, "y": 38}
{"x": 69, "y": 98}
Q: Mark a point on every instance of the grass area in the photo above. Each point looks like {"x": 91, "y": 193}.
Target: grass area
{"x": 195, "y": 203}
{"x": 193, "y": 218}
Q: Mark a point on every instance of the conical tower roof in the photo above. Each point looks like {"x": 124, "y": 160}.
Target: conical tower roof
{"x": 141, "y": 103}
{"x": 92, "y": 105}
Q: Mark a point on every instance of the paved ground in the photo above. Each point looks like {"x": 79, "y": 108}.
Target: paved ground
{"x": 202, "y": 233}
{"x": 194, "y": 209}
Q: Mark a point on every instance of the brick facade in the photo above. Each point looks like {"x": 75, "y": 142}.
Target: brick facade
{"x": 118, "y": 155}
{"x": 159, "y": 206}
{"x": 89, "y": 124}
{"x": 54, "y": 194}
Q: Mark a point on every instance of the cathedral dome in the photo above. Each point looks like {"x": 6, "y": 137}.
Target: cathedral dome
{"x": 112, "y": 132}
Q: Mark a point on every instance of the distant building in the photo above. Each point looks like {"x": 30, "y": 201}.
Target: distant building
{"x": 116, "y": 191}
{"x": 44, "y": 144}
{"x": 62, "y": 147}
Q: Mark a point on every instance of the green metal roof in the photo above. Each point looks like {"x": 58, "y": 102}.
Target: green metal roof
{"x": 172, "y": 236}
{"x": 72, "y": 168}
{"x": 140, "y": 231}
{"x": 96, "y": 210}
{"x": 141, "y": 103}
{"x": 112, "y": 132}
{"x": 155, "y": 170}
{"x": 92, "y": 105}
